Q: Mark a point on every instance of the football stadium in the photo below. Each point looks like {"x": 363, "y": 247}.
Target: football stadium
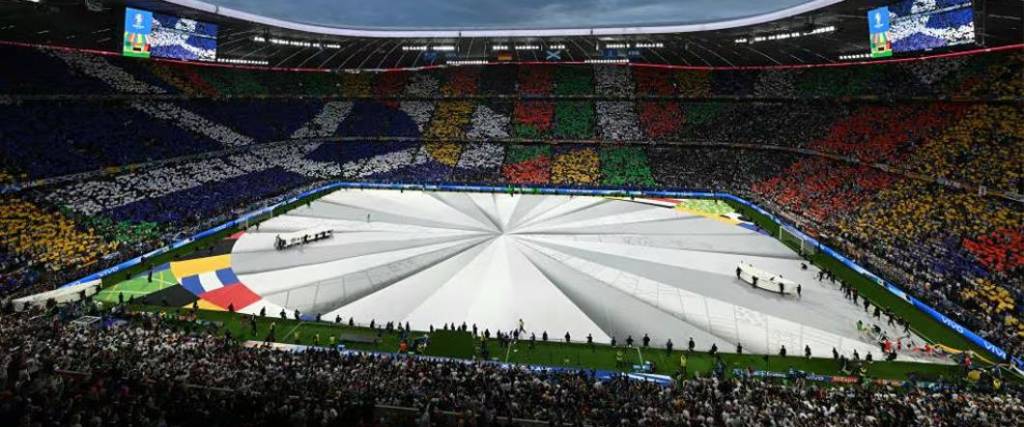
{"x": 476, "y": 213}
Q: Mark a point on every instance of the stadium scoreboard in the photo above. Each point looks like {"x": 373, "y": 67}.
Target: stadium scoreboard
{"x": 920, "y": 25}
{"x": 148, "y": 34}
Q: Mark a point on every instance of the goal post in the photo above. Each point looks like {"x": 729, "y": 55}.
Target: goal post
{"x": 797, "y": 240}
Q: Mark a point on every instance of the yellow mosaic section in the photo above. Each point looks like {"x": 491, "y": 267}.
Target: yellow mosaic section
{"x": 48, "y": 236}
{"x": 446, "y": 153}
{"x": 355, "y": 84}
{"x": 576, "y": 167}
{"x": 450, "y": 120}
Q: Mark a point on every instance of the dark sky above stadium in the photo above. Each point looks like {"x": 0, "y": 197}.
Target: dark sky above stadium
{"x": 504, "y": 14}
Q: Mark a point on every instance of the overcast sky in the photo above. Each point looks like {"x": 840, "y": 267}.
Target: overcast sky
{"x": 504, "y": 13}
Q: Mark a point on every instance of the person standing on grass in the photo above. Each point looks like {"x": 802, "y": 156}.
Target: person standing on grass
{"x": 647, "y": 341}
{"x": 682, "y": 363}
{"x": 690, "y": 345}
{"x": 566, "y": 337}
{"x": 252, "y": 324}
{"x": 668, "y": 347}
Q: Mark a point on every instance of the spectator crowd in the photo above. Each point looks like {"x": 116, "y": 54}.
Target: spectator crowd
{"x": 144, "y": 369}
{"x": 786, "y": 139}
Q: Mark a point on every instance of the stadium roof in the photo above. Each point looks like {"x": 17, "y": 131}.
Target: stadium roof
{"x": 827, "y": 33}
{"x": 446, "y": 18}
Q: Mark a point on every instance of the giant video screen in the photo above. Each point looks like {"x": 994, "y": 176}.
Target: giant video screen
{"x": 917, "y": 25}
{"x": 163, "y": 36}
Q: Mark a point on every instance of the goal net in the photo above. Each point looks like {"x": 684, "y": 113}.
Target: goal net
{"x": 797, "y": 240}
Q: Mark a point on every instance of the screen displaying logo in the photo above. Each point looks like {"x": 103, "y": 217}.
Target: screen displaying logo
{"x": 878, "y": 26}
{"x": 879, "y": 19}
{"x": 148, "y": 34}
{"x": 138, "y": 24}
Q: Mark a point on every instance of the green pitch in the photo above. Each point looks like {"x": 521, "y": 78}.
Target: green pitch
{"x": 138, "y": 286}
{"x": 713, "y": 207}
{"x": 463, "y": 345}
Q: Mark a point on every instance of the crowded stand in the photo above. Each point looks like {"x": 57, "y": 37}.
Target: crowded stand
{"x": 461, "y": 82}
{"x": 208, "y": 159}
{"x": 654, "y": 81}
{"x": 661, "y": 120}
{"x": 613, "y": 81}
{"x": 47, "y": 237}
{"x": 574, "y": 120}
{"x": 326, "y": 121}
{"x": 41, "y": 72}
{"x": 389, "y": 86}
{"x": 118, "y": 79}
{"x": 43, "y": 139}
{"x": 618, "y": 121}
{"x": 49, "y": 381}
{"x": 489, "y": 123}
{"x": 109, "y": 218}
{"x": 535, "y": 80}
{"x": 225, "y": 216}
{"x": 533, "y": 119}
{"x": 480, "y": 162}
{"x": 573, "y": 165}
{"x": 625, "y": 167}
{"x": 450, "y": 120}
{"x": 193, "y": 122}
{"x": 278, "y": 120}
{"x": 419, "y": 112}
{"x": 574, "y": 81}
{"x": 356, "y": 85}
{"x": 527, "y": 164}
